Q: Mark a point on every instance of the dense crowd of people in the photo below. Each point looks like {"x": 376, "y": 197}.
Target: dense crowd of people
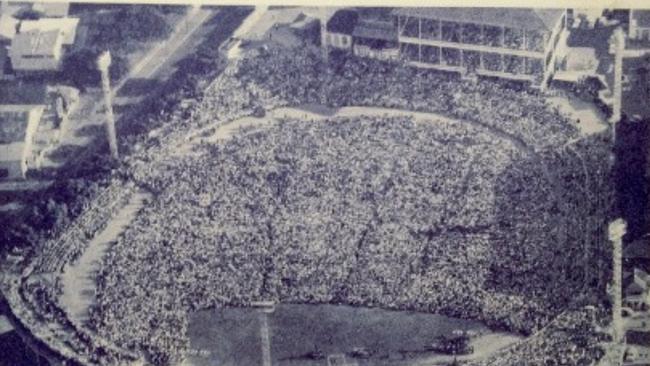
{"x": 446, "y": 218}
{"x": 370, "y": 211}
{"x": 303, "y": 77}
{"x": 309, "y": 212}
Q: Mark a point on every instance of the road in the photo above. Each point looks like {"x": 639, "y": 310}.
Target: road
{"x": 87, "y": 121}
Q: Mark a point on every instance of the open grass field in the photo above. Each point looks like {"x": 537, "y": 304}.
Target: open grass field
{"x": 231, "y": 336}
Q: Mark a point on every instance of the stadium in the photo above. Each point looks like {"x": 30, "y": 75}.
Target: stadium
{"x": 350, "y": 181}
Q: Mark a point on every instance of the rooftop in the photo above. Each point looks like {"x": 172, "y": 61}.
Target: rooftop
{"x": 35, "y": 42}
{"x": 522, "y": 18}
{"x": 67, "y": 27}
{"x": 343, "y": 21}
{"x": 7, "y": 26}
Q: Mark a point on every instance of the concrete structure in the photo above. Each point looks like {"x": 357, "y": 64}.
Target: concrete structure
{"x": 509, "y": 43}
{"x": 103, "y": 63}
{"x": 617, "y": 229}
{"x": 617, "y": 47}
{"x": 18, "y": 125}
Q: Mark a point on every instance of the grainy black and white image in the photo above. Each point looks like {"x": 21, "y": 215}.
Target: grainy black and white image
{"x": 209, "y": 185}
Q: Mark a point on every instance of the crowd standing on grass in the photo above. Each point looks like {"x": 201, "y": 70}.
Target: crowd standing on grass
{"x": 324, "y": 212}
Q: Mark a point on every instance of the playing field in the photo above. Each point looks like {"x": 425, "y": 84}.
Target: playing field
{"x": 232, "y": 336}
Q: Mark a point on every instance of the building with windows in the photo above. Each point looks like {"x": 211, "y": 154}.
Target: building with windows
{"x": 375, "y": 39}
{"x": 339, "y": 29}
{"x": 512, "y": 43}
{"x": 18, "y": 126}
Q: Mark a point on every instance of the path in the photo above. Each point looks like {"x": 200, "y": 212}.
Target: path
{"x": 225, "y": 130}
{"x": 592, "y": 120}
{"x": 79, "y": 278}
{"x": 484, "y": 346}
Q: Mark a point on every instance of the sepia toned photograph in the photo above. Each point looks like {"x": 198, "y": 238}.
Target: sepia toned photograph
{"x": 271, "y": 185}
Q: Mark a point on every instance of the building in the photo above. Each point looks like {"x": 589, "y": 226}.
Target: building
{"x": 636, "y": 290}
{"x": 375, "y": 39}
{"x": 36, "y": 51}
{"x": 339, "y": 29}
{"x": 639, "y": 26}
{"x": 18, "y": 126}
{"x": 637, "y": 253}
{"x": 40, "y": 44}
{"x": 513, "y": 43}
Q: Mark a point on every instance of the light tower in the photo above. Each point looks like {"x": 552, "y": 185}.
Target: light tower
{"x": 324, "y": 48}
{"x": 617, "y": 229}
{"x": 103, "y": 63}
{"x": 617, "y": 46}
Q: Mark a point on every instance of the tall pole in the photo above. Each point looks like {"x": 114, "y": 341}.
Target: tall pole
{"x": 617, "y": 229}
{"x": 618, "y": 39}
{"x": 103, "y": 63}
{"x": 324, "y": 48}
{"x": 265, "y": 338}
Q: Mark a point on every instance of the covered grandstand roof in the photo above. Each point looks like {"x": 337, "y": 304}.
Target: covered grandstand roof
{"x": 343, "y": 21}
{"x": 375, "y": 30}
{"x": 522, "y": 18}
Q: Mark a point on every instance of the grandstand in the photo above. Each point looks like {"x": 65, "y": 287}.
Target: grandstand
{"x": 504, "y": 42}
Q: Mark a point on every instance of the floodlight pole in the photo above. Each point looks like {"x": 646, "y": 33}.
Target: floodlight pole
{"x": 618, "y": 40}
{"x": 324, "y": 48}
{"x": 265, "y": 339}
{"x": 617, "y": 229}
{"x": 103, "y": 63}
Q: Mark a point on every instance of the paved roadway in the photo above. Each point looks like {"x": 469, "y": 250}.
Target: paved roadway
{"x": 87, "y": 122}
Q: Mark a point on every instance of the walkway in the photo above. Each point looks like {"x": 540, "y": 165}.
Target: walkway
{"x": 223, "y": 131}
{"x": 79, "y": 278}
{"x": 592, "y": 120}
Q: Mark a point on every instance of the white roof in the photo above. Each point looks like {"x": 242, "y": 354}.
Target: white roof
{"x": 67, "y": 27}
{"x": 7, "y": 26}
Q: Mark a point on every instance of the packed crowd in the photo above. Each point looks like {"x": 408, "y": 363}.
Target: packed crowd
{"x": 302, "y": 77}
{"x": 318, "y": 213}
{"x": 241, "y": 224}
